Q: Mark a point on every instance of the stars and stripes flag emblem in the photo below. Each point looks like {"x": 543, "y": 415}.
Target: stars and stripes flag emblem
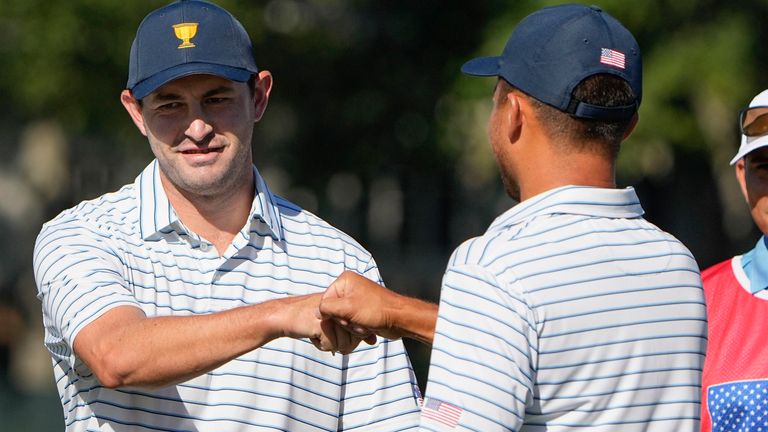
{"x": 612, "y": 57}
{"x": 441, "y": 412}
{"x": 738, "y": 406}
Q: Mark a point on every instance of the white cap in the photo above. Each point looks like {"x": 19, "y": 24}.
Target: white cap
{"x": 749, "y": 144}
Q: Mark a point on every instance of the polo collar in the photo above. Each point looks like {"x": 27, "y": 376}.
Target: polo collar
{"x": 755, "y": 264}
{"x": 158, "y": 218}
{"x": 580, "y": 200}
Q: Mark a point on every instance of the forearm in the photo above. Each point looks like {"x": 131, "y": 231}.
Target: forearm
{"x": 415, "y": 319}
{"x": 361, "y": 305}
{"x": 127, "y": 350}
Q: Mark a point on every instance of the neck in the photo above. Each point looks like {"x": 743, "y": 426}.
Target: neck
{"x": 216, "y": 218}
{"x": 557, "y": 170}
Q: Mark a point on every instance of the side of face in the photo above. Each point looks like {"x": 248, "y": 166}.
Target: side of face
{"x": 199, "y": 128}
{"x": 501, "y": 123}
{"x": 752, "y": 174}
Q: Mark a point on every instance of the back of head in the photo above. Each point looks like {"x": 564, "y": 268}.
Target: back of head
{"x": 572, "y": 133}
{"x": 188, "y": 37}
{"x": 581, "y": 68}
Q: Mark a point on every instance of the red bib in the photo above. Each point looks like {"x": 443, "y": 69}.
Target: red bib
{"x": 736, "y": 366}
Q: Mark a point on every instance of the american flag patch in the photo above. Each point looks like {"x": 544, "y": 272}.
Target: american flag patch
{"x": 441, "y": 412}
{"x": 738, "y": 406}
{"x": 612, "y": 57}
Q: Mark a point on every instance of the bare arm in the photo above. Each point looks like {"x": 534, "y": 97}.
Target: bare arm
{"x": 359, "y": 305}
{"x": 125, "y": 348}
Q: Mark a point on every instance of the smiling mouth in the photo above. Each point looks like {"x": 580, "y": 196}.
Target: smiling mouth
{"x": 203, "y": 151}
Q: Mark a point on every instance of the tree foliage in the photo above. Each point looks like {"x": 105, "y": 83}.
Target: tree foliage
{"x": 372, "y": 125}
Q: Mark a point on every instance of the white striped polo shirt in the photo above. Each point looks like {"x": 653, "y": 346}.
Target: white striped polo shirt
{"x": 130, "y": 248}
{"x": 571, "y": 312}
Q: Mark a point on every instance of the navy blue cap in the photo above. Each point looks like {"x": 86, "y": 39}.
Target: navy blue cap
{"x": 552, "y": 50}
{"x": 185, "y": 38}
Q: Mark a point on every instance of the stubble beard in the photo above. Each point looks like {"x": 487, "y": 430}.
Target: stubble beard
{"x": 510, "y": 185}
{"x": 224, "y": 181}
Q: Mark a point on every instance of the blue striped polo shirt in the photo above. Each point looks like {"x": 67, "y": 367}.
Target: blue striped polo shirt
{"x": 571, "y": 312}
{"x": 130, "y": 248}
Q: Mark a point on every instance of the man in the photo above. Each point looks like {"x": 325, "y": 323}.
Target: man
{"x": 571, "y": 312}
{"x": 166, "y": 303}
{"x": 735, "y": 381}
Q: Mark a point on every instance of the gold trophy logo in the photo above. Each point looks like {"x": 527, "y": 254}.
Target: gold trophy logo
{"x": 185, "y": 32}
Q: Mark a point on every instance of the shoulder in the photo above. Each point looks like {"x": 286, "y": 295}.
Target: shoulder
{"x": 106, "y": 215}
{"x": 538, "y": 237}
{"x": 482, "y": 265}
{"x": 91, "y": 230}
{"x": 718, "y": 272}
{"x": 477, "y": 250}
{"x": 302, "y": 227}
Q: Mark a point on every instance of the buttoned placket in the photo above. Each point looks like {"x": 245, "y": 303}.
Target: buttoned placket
{"x": 205, "y": 249}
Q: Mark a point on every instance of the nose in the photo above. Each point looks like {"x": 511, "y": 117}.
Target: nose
{"x": 200, "y": 130}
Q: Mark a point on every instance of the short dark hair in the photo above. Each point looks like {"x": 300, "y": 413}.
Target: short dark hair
{"x": 586, "y": 134}
{"x": 252, "y": 84}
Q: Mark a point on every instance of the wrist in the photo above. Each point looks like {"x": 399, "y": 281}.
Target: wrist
{"x": 414, "y": 319}
{"x": 295, "y": 317}
{"x": 272, "y": 315}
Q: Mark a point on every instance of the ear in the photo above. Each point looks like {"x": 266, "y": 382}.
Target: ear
{"x": 513, "y": 116}
{"x": 741, "y": 176}
{"x": 263, "y": 87}
{"x": 631, "y": 126}
{"x": 134, "y": 110}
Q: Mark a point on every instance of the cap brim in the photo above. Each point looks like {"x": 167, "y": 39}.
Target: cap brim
{"x": 143, "y": 88}
{"x": 748, "y": 145}
{"x": 482, "y": 66}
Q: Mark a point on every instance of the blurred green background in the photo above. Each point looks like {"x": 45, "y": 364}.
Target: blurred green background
{"x": 370, "y": 125}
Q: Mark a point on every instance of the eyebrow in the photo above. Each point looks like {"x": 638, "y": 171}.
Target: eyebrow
{"x": 218, "y": 90}
{"x": 164, "y": 97}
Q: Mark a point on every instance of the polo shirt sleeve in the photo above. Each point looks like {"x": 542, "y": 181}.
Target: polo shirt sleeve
{"x": 380, "y": 390}
{"x": 483, "y": 357}
{"x": 79, "y": 276}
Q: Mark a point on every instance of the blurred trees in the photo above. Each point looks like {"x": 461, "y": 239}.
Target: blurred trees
{"x": 371, "y": 91}
{"x": 371, "y": 124}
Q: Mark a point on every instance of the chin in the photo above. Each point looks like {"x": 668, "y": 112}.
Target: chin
{"x": 512, "y": 189}
{"x": 202, "y": 182}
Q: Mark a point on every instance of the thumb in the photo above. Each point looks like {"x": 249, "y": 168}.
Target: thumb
{"x": 333, "y": 307}
{"x": 335, "y": 290}
{"x": 371, "y": 339}
{"x": 328, "y": 295}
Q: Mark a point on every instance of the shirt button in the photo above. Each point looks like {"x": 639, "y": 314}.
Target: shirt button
{"x": 204, "y": 247}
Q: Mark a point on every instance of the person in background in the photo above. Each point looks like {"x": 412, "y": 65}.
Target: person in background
{"x": 571, "y": 312}
{"x": 188, "y": 299}
{"x": 735, "y": 381}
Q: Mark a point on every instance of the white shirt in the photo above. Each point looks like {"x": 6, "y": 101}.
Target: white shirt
{"x": 130, "y": 248}
{"x": 570, "y": 313}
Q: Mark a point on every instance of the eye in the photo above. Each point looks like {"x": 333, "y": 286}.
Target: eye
{"x": 759, "y": 167}
{"x": 169, "y": 106}
{"x": 216, "y": 100}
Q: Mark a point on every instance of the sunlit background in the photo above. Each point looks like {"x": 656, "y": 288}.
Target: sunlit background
{"x": 370, "y": 125}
